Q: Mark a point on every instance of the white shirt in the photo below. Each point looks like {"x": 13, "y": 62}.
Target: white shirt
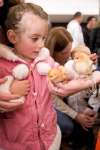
{"x": 76, "y": 32}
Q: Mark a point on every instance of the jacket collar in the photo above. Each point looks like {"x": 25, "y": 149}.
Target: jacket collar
{"x": 7, "y": 53}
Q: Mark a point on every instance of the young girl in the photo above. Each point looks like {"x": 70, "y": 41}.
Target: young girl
{"x": 32, "y": 126}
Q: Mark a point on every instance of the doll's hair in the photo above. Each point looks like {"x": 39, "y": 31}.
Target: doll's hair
{"x": 16, "y": 13}
{"x": 58, "y": 38}
{"x": 80, "y": 48}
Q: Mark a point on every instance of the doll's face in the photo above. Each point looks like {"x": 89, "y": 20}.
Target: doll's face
{"x": 80, "y": 56}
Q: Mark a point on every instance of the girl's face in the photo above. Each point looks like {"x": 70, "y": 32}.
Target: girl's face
{"x": 1, "y": 3}
{"x": 32, "y": 36}
{"x": 62, "y": 56}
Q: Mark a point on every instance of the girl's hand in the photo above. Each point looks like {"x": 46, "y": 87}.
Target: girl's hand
{"x": 74, "y": 86}
{"x": 69, "y": 88}
{"x": 20, "y": 87}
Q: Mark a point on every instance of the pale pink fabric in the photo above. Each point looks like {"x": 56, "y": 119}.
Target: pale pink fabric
{"x": 32, "y": 127}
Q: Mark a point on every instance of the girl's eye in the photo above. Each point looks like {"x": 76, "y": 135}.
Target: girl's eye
{"x": 34, "y": 39}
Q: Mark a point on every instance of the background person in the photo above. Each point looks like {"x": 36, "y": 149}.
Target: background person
{"x": 4, "y": 7}
{"x": 90, "y": 25}
{"x": 59, "y": 42}
{"x": 75, "y": 29}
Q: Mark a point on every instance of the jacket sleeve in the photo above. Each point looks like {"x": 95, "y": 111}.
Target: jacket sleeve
{"x": 4, "y": 68}
{"x": 63, "y": 107}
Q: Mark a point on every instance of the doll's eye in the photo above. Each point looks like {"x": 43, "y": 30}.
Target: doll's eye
{"x": 77, "y": 58}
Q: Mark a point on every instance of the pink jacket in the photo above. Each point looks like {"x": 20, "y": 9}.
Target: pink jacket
{"x": 32, "y": 127}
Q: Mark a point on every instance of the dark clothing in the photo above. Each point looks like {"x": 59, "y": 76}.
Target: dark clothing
{"x": 86, "y": 35}
{"x": 73, "y": 133}
{"x": 95, "y": 39}
{"x": 65, "y": 123}
{"x": 3, "y": 15}
{"x": 81, "y": 138}
{"x": 4, "y": 12}
{"x": 95, "y": 42}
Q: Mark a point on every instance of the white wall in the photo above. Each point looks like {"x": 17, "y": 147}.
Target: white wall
{"x": 65, "y": 8}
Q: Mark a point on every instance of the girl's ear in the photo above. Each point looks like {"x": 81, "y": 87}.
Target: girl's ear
{"x": 11, "y": 36}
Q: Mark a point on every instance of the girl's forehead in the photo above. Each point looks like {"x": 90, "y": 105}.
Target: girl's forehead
{"x": 33, "y": 23}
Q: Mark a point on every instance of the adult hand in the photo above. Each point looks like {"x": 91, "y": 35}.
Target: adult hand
{"x": 96, "y": 77}
{"x": 6, "y": 106}
{"x": 6, "y": 96}
{"x": 94, "y": 57}
{"x": 20, "y": 87}
{"x": 85, "y": 120}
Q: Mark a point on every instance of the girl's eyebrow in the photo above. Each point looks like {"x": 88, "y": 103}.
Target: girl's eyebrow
{"x": 36, "y": 35}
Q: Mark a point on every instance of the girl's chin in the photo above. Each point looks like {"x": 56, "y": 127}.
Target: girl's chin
{"x": 35, "y": 56}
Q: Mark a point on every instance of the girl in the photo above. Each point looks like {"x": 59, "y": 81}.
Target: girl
{"x": 32, "y": 126}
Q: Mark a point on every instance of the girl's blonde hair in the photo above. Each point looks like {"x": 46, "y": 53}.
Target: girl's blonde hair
{"x": 16, "y": 13}
{"x": 58, "y": 38}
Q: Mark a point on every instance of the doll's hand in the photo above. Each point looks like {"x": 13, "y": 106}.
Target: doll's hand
{"x": 20, "y": 87}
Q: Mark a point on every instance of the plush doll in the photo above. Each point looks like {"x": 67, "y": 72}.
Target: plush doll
{"x": 80, "y": 65}
{"x": 59, "y": 74}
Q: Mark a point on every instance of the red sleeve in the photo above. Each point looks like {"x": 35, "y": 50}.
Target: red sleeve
{"x": 5, "y": 68}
